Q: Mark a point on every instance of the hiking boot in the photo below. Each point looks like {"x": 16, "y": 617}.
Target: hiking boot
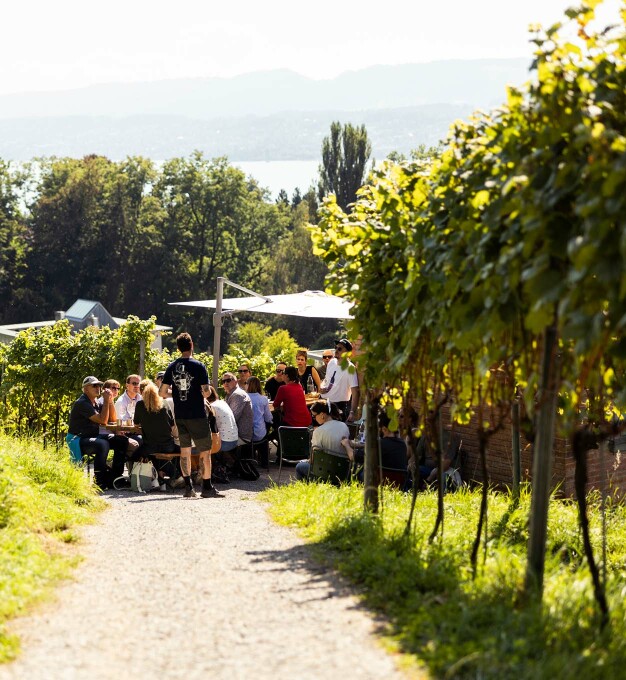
{"x": 190, "y": 493}
{"x": 212, "y": 493}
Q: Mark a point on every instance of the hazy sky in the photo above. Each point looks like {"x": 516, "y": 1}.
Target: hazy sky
{"x": 61, "y": 44}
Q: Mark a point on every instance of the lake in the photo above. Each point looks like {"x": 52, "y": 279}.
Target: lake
{"x": 277, "y": 175}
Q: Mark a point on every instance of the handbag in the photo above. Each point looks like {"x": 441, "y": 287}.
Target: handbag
{"x": 216, "y": 442}
{"x": 143, "y": 477}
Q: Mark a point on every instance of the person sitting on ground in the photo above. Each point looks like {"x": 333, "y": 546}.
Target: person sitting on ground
{"x": 328, "y": 434}
{"x": 262, "y": 417}
{"x": 227, "y": 426}
{"x": 278, "y": 379}
{"x": 290, "y": 398}
{"x": 157, "y": 426}
{"x": 305, "y": 372}
{"x": 86, "y": 416}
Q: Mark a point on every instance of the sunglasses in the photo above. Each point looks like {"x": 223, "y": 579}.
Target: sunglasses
{"x": 327, "y": 357}
{"x": 114, "y": 388}
{"x": 227, "y": 380}
{"x": 133, "y": 383}
{"x": 279, "y": 371}
{"x": 243, "y": 370}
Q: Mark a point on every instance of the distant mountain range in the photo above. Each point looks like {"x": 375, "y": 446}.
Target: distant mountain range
{"x": 271, "y": 115}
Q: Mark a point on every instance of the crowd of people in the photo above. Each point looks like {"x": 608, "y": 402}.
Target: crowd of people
{"x": 180, "y": 409}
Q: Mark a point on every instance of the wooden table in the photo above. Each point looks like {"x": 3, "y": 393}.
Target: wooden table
{"x": 124, "y": 429}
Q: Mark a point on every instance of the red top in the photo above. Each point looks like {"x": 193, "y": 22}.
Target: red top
{"x": 295, "y": 411}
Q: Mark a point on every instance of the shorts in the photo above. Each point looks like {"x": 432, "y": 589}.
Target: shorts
{"x": 196, "y": 429}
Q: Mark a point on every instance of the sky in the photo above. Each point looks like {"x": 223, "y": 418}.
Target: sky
{"x": 66, "y": 44}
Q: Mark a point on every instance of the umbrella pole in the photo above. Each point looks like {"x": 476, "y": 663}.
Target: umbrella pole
{"x": 217, "y": 330}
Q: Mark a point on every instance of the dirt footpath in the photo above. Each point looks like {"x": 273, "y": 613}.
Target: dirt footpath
{"x": 207, "y": 588}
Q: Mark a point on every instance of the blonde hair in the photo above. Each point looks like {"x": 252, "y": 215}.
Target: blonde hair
{"x": 151, "y": 398}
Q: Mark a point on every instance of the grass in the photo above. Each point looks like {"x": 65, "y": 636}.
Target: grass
{"x": 450, "y": 623}
{"x": 43, "y": 498}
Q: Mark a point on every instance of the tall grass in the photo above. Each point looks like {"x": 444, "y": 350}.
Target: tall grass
{"x": 43, "y": 497}
{"x": 457, "y": 625}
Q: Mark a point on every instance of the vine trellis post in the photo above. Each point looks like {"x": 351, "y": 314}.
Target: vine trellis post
{"x": 542, "y": 465}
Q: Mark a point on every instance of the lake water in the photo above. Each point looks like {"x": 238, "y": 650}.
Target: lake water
{"x": 277, "y": 175}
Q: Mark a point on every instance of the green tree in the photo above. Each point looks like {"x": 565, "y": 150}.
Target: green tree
{"x": 345, "y": 153}
{"x": 12, "y": 243}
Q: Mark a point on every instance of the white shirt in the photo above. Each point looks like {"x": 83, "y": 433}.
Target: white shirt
{"x": 125, "y": 406}
{"x": 340, "y": 382}
{"x": 226, "y": 423}
{"x": 329, "y": 435}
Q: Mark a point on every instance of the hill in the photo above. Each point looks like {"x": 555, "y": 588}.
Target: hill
{"x": 268, "y": 115}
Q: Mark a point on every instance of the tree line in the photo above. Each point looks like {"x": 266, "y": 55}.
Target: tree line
{"x": 135, "y": 236}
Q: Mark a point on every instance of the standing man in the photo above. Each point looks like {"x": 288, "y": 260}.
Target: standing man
{"x": 341, "y": 386}
{"x": 125, "y": 405}
{"x": 241, "y": 406}
{"x": 86, "y": 417}
{"x": 278, "y": 379}
{"x": 326, "y": 357}
{"x": 189, "y": 381}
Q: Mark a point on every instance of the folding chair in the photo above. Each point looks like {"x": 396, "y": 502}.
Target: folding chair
{"x": 295, "y": 445}
{"x": 329, "y": 467}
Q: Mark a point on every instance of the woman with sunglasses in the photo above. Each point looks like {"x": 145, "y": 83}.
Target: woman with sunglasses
{"x": 328, "y": 434}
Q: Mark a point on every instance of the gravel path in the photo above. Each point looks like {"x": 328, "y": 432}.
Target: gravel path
{"x": 218, "y": 590}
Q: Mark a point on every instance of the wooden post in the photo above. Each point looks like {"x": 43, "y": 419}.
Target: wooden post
{"x": 371, "y": 473}
{"x": 142, "y": 357}
{"x": 542, "y": 466}
{"x": 515, "y": 447}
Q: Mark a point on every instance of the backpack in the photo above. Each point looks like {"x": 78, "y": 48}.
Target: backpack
{"x": 246, "y": 469}
{"x": 143, "y": 477}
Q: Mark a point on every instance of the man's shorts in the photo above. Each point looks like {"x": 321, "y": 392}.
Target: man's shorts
{"x": 196, "y": 429}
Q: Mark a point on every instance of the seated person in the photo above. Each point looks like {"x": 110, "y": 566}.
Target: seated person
{"x": 229, "y": 434}
{"x": 278, "y": 379}
{"x": 393, "y": 449}
{"x": 86, "y": 416}
{"x": 133, "y": 442}
{"x": 158, "y": 427}
{"x": 290, "y": 398}
{"x": 305, "y": 372}
{"x": 329, "y": 434}
{"x": 262, "y": 418}
{"x": 426, "y": 456}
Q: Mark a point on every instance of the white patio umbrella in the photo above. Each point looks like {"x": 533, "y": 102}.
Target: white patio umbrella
{"x": 310, "y": 303}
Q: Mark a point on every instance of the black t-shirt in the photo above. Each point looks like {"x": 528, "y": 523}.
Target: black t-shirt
{"x": 302, "y": 379}
{"x": 156, "y": 427}
{"x": 81, "y": 412}
{"x": 186, "y": 376}
{"x": 271, "y": 387}
{"x": 393, "y": 452}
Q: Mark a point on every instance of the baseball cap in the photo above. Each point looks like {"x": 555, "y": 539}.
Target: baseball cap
{"x": 91, "y": 380}
{"x": 345, "y": 342}
{"x": 160, "y": 374}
